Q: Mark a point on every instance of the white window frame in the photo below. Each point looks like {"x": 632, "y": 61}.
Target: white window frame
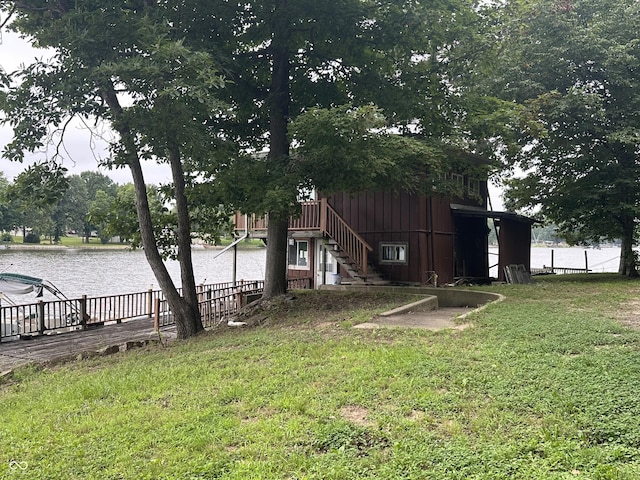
{"x": 298, "y": 257}
{"x": 458, "y": 178}
{"x": 394, "y": 253}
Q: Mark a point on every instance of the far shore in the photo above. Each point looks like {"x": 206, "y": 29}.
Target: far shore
{"x": 94, "y": 246}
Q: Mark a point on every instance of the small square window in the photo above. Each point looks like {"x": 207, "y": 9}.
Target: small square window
{"x": 394, "y": 253}
{"x": 298, "y": 254}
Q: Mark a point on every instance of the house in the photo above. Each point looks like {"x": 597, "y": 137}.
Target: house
{"x": 401, "y": 237}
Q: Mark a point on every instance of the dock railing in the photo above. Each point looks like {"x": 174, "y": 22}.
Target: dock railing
{"x": 57, "y": 316}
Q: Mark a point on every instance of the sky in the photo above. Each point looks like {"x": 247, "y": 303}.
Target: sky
{"x": 82, "y": 150}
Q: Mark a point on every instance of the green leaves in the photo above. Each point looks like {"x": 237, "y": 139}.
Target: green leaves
{"x": 569, "y": 67}
{"x": 351, "y": 149}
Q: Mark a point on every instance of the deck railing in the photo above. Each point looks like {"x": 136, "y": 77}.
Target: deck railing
{"x": 216, "y": 301}
{"x": 218, "y": 304}
{"x": 317, "y": 216}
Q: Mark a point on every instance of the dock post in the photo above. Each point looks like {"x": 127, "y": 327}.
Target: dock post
{"x": 150, "y": 302}
{"x": 83, "y": 312}
{"x": 586, "y": 262}
{"x": 41, "y": 325}
{"x": 156, "y": 316}
{"x": 552, "y": 262}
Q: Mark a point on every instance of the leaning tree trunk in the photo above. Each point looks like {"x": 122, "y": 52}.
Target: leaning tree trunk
{"x": 276, "y": 268}
{"x": 193, "y": 324}
{"x": 187, "y": 323}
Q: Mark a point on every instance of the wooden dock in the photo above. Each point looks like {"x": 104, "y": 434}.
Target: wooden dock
{"x": 78, "y": 344}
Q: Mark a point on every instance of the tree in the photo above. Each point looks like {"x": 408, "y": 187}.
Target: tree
{"x": 125, "y": 64}
{"x": 99, "y": 212}
{"x": 572, "y": 66}
{"x": 91, "y": 183}
{"x": 37, "y": 191}
{"x": 284, "y": 57}
{"x": 8, "y": 208}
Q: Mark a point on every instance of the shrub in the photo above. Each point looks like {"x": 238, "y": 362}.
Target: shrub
{"x": 6, "y": 237}
{"x": 32, "y": 238}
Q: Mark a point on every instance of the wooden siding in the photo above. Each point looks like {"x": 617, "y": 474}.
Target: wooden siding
{"x": 515, "y": 245}
{"x": 425, "y": 224}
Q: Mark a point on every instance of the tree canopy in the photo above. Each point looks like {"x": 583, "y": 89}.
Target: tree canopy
{"x": 572, "y": 66}
{"x": 125, "y": 64}
{"x": 334, "y": 62}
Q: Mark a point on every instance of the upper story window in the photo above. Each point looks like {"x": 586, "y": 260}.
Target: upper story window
{"x": 474, "y": 187}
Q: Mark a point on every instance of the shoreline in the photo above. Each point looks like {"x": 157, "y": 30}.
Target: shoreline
{"x": 22, "y": 246}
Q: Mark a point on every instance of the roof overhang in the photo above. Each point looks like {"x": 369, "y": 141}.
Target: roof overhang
{"x": 469, "y": 211}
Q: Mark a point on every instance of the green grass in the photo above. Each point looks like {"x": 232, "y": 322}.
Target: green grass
{"x": 543, "y": 386}
{"x": 67, "y": 241}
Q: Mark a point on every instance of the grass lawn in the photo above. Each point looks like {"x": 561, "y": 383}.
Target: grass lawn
{"x": 544, "y": 385}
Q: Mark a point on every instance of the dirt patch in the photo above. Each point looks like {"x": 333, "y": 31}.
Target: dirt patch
{"x": 357, "y": 415}
{"x": 629, "y": 314}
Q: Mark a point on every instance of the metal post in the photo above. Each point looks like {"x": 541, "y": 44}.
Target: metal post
{"x": 586, "y": 262}
{"x": 84, "y": 316}
{"x": 324, "y": 263}
{"x": 150, "y": 302}
{"x": 552, "y": 262}
{"x": 235, "y": 264}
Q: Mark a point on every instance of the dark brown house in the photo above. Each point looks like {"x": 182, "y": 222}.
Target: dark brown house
{"x": 401, "y": 237}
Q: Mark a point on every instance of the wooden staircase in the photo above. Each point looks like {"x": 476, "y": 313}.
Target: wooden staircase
{"x": 369, "y": 276}
{"x": 349, "y": 249}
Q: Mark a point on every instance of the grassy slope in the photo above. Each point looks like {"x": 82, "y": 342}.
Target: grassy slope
{"x": 545, "y": 385}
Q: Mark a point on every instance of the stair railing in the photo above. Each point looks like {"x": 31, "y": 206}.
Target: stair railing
{"x": 320, "y": 215}
{"x": 353, "y": 245}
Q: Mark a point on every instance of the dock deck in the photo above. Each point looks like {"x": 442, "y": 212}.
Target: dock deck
{"x": 69, "y": 345}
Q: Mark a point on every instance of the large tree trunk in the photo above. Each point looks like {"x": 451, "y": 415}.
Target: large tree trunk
{"x": 187, "y": 322}
{"x": 275, "y": 282}
{"x": 627, "y": 255}
{"x": 192, "y": 323}
{"x": 276, "y": 268}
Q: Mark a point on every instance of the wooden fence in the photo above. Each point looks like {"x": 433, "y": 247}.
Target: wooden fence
{"x": 216, "y": 302}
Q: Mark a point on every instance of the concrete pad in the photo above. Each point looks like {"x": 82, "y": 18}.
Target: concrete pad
{"x": 423, "y": 305}
{"x": 434, "y": 320}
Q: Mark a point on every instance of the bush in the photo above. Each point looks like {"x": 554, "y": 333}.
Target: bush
{"x": 6, "y": 237}
{"x": 32, "y": 238}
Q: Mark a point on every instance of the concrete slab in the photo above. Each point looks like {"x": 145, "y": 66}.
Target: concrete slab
{"x": 434, "y": 320}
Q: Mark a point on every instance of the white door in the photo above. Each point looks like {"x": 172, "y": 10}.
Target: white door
{"x": 328, "y": 276}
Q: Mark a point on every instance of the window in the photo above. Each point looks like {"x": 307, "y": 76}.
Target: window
{"x": 299, "y": 254}
{"x": 394, "y": 253}
{"x": 474, "y": 187}
{"x": 457, "y": 179}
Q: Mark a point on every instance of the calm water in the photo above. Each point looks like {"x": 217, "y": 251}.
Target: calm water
{"x": 600, "y": 260}
{"x": 77, "y": 272}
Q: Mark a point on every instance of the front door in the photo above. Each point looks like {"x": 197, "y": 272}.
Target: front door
{"x": 329, "y": 275}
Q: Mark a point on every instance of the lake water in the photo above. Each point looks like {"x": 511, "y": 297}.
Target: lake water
{"x": 77, "y": 272}
{"x": 600, "y": 260}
